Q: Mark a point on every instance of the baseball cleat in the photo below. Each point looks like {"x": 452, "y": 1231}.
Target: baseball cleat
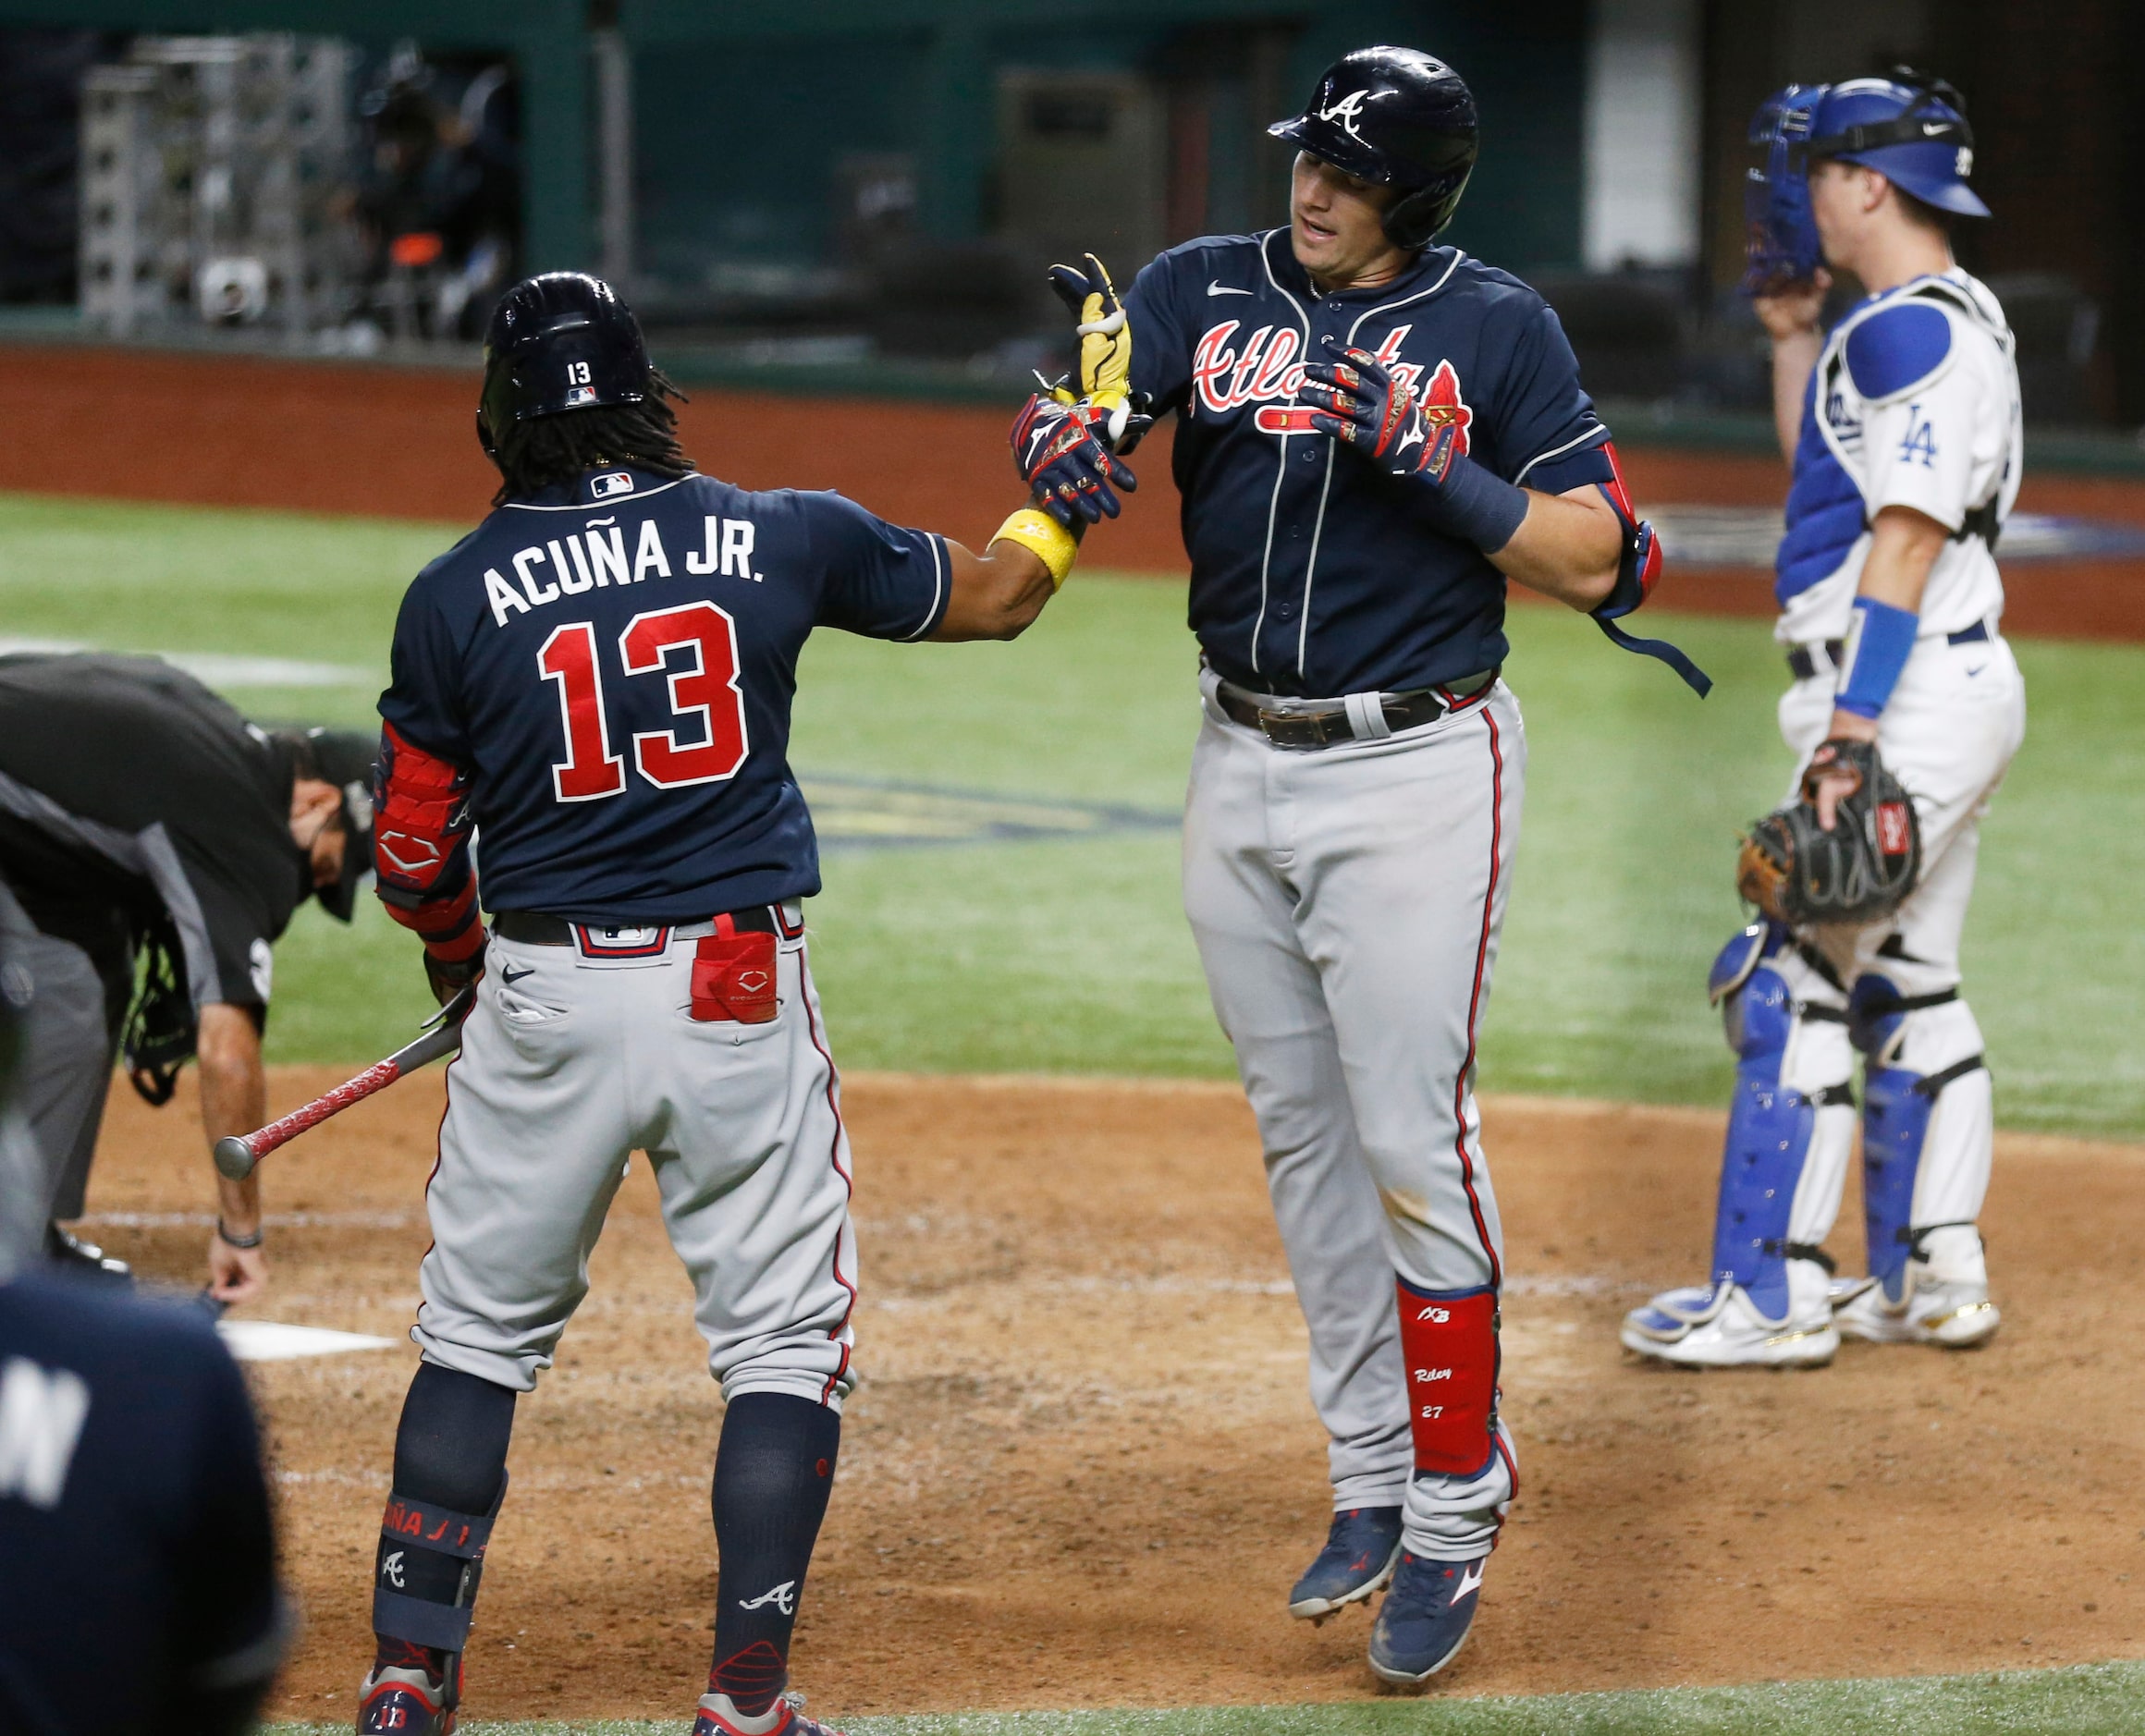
{"x": 717, "y": 1716}
{"x": 393, "y": 1700}
{"x": 1360, "y": 1550}
{"x": 84, "y": 1258}
{"x": 1958, "y": 1317}
{"x": 1724, "y": 1328}
{"x": 1424, "y": 1620}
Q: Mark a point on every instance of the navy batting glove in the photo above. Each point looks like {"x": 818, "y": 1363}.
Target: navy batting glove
{"x": 1060, "y": 454}
{"x": 1363, "y": 404}
{"x": 1360, "y": 401}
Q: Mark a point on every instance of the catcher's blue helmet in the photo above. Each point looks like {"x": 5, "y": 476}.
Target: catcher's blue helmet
{"x": 1399, "y": 118}
{"x": 1911, "y": 129}
{"x": 557, "y": 342}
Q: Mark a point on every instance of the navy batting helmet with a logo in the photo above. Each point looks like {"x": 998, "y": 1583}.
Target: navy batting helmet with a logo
{"x": 1399, "y": 118}
{"x": 557, "y": 342}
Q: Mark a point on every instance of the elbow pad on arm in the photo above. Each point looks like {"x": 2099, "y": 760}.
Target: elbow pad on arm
{"x": 420, "y": 847}
{"x": 1639, "y": 565}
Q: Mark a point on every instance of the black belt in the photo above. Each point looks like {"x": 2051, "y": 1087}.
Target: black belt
{"x": 1803, "y": 665}
{"x": 1321, "y": 723}
{"x": 533, "y": 928}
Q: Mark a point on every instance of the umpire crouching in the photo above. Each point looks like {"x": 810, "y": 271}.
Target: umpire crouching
{"x": 154, "y": 846}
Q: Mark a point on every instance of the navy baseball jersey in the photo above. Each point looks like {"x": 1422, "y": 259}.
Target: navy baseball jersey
{"x": 1313, "y": 572}
{"x": 612, "y": 664}
{"x": 138, "y": 1591}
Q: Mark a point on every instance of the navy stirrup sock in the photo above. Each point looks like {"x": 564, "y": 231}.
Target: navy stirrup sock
{"x": 773, "y": 1471}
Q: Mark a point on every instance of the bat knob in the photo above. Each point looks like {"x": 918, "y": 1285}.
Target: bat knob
{"x": 234, "y": 1157}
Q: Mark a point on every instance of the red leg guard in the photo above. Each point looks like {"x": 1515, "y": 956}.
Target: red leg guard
{"x": 1448, "y": 1341}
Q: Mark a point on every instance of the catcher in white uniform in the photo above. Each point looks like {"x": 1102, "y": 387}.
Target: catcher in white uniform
{"x": 1901, "y": 424}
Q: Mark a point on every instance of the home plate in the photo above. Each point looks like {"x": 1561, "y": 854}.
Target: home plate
{"x": 273, "y": 1341}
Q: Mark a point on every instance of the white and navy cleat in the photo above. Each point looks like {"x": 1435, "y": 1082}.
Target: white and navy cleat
{"x": 1360, "y": 1550}
{"x": 1722, "y": 1327}
{"x": 1425, "y": 1618}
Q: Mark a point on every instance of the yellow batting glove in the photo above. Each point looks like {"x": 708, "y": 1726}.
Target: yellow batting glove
{"x": 1105, "y": 347}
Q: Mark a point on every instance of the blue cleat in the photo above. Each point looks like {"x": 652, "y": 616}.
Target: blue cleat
{"x": 1357, "y": 1560}
{"x": 1424, "y": 1620}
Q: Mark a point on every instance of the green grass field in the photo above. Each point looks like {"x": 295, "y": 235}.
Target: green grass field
{"x": 2094, "y": 1700}
{"x": 1070, "y": 953}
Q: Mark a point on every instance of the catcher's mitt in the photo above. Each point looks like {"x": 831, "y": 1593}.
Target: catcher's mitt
{"x": 1797, "y": 872}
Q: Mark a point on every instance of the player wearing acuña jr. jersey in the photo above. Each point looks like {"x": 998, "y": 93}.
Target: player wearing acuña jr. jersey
{"x": 1901, "y": 424}
{"x": 598, "y": 681}
{"x": 1374, "y": 434}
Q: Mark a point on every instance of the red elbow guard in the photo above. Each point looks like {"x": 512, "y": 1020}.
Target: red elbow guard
{"x": 421, "y": 845}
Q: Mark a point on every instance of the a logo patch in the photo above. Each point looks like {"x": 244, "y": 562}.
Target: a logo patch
{"x": 580, "y": 395}
{"x": 1347, "y": 111}
{"x": 611, "y": 482}
{"x": 1891, "y": 832}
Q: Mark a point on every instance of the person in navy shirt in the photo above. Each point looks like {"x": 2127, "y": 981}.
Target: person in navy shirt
{"x": 1374, "y": 436}
{"x": 591, "y": 692}
{"x": 138, "y": 1591}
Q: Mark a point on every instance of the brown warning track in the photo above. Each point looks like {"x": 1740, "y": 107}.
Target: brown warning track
{"x": 399, "y": 442}
{"x": 1081, "y": 1469}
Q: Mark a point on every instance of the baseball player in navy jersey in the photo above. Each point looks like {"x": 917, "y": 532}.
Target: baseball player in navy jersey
{"x": 1375, "y": 435}
{"x": 597, "y": 683}
{"x": 1902, "y": 427}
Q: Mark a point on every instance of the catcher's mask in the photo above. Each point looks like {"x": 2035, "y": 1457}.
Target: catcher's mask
{"x": 1910, "y": 128}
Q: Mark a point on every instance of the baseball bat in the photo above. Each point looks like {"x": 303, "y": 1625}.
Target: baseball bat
{"x": 239, "y": 1154}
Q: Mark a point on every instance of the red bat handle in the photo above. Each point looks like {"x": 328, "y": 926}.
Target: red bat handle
{"x": 379, "y": 1075}
{"x": 237, "y": 1154}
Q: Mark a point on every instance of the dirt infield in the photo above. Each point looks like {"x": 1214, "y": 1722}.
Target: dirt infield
{"x": 1081, "y": 1469}
{"x": 397, "y": 443}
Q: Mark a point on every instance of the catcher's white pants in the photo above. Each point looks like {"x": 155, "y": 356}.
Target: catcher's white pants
{"x": 577, "y": 1063}
{"x": 1949, "y": 733}
{"x": 1347, "y": 903}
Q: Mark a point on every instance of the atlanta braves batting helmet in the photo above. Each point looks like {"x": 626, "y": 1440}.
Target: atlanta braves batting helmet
{"x": 1910, "y": 128}
{"x": 558, "y": 342}
{"x": 1401, "y": 119}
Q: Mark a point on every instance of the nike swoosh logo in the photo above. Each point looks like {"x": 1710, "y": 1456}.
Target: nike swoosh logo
{"x": 1217, "y": 288}
{"x": 1930, "y": 128}
{"x": 1976, "y": 669}
{"x": 1470, "y": 1580}
{"x": 507, "y": 978}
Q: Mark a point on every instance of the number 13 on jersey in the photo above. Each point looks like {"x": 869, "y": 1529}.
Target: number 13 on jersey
{"x": 704, "y": 692}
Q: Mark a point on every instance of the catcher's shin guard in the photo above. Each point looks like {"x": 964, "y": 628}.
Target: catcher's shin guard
{"x": 1792, "y": 1123}
{"x": 1928, "y": 1133}
{"x": 426, "y": 1572}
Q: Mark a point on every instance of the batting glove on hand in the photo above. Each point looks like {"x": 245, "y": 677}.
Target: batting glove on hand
{"x": 1059, "y": 452}
{"x": 1105, "y": 348}
{"x": 448, "y": 977}
{"x": 1363, "y": 404}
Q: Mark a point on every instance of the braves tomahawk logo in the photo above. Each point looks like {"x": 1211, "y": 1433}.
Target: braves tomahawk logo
{"x": 1269, "y": 367}
{"x": 1347, "y": 111}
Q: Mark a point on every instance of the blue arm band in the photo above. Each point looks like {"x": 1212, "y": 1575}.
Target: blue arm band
{"x": 1878, "y": 648}
{"x": 1476, "y": 505}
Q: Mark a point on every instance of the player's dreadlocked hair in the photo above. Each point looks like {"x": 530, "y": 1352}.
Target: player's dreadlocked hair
{"x": 543, "y": 451}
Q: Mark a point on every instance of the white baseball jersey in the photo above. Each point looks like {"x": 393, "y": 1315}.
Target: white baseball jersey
{"x": 1915, "y": 403}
